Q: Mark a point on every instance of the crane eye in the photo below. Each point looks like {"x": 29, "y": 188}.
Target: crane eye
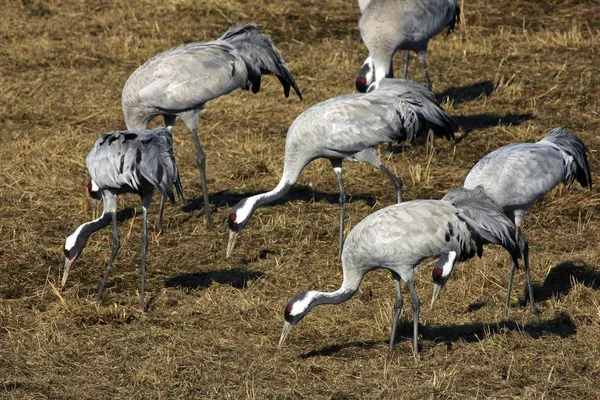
{"x": 288, "y": 310}
{"x": 436, "y": 274}
{"x": 232, "y": 217}
{"x": 89, "y": 186}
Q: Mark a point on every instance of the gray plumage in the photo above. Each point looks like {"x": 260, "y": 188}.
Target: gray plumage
{"x": 399, "y": 237}
{"x": 517, "y": 175}
{"x": 124, "y": 162}
{"x": 350, "y": 127}
{"x": 387, "y": 26}
{"x": 180, "y": 81}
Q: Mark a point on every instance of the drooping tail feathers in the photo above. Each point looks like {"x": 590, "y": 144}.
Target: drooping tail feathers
{"x": 485, "y": 218}
{"x": 260, "y": 55}
{"x": 421, "y": 101}
{"x": 454, "y": 21}
{"x": 573, "y": 146}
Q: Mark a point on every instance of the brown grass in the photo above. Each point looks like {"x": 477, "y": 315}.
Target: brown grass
{"x": 512, "y": 72}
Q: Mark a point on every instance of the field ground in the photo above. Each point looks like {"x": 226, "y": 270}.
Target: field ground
{"x": 512, "y": 71}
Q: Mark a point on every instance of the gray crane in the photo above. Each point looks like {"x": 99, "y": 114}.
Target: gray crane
{"x": 180, "y": 81}
{"x": 387, "y": 26}
{"x": 124, "y": 162}
{"x": 517, "y": 175}
{"x": 399, "y": 237}
{"x": 350, "y": 127}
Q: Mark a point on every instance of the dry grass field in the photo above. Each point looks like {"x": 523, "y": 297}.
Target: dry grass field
{"x": 512, "y": 71}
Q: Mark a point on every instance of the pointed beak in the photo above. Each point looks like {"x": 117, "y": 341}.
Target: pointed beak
{"x": 287, "y": 328}
{"x": 437, "y": 288}
{"x": 233, "y": 235}
{"x": 66, "y": 270}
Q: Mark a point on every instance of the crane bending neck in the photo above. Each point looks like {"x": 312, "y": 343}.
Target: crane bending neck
{"x": 344, "y": 293}
{"x": 288, "y": 180}
{"x": 79, "y": 238}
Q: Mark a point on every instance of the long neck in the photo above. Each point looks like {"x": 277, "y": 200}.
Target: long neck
{"x": 83, "y": 232}
{"x": 350, "y": 284}
{"x": 291, "y": 171}
{"x": 382, "y": 63}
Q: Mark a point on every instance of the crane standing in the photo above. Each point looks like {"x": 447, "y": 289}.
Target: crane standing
{"x": 399, "y": 237}
{"x": 350, "y": 127}
{"x": 180, "y": 81}
{"x": 387, "y": 26}
{"x": 517, "y": 175}
{"x": 124, "y": 162}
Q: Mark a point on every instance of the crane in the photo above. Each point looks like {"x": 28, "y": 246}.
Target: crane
{"x": 350, "y": 127}
{"x": 124, "y": 162}
{"x": 399, "y": 237}
{"x": 387, "y": 26}
{"x": 180, "y": 81}
{"x": 517, "y": 175}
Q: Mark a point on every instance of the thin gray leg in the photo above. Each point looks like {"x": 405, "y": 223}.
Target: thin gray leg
{"x": 513, "y": 267}
{"x": 423, "y": 58}
{"x": 416, "y": 310}
{"x": 113, "y": 253}
{"x": 397, "y": 181}
{"x": 397, "y": 310}
{"x": 144, "y": 249}
{"x": 191, "y": 121}
{"x": 337, "y": 168}
{"x": 406, "y": 59}
{"x": 525, "y": 247}
{"x": 202, "y": 165}
{"x": 161, "y": 209}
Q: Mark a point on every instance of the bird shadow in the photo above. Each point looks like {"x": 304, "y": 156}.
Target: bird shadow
{"x": 126, "y": 214}
{"x": 237, "y": 278}
{"x": 476, "y": 306}
{"x": 469, "y": 123}
{"x": 335, "y": 348}
{"x": 561, "y": 279}
{"x": 226, "y": 198}
{"x": 466, "y": 93}
{"x": 562, "y": 325}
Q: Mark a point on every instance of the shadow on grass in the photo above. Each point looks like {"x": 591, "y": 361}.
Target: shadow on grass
{"x": 466, "y": 93}
{"x": 329, "y": 350}
{"x": 469, "y": 123}
{"x": 303, "y": 193}
{"x": 562, "y": 277}
{"x": 238, "y": 278}
{"x": 562, "y": 325}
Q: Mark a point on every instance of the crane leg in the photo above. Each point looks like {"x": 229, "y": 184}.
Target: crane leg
{"x": 513, "y": 267}
{"x": 114, "y": 250}
{"x": 144, "y": 249}
{"x": 337, "y": 168}
{"x": 525, "y": 247}
{"x": 406, "y": 59}
{"x": 169, "y": 123}
{"x": 423, "y": 58}
{"x": 397, "y": 310}
{"x": 202, "y": 166}
{"x": 190, "y": 119}
{"x": 397, "y": 181}
{"x": 161, "y": 210}
{"x": 416, "y": 310}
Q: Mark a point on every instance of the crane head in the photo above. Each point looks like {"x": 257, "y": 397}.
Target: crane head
{"x": 295, "y": 310}
{"x": 365, "y": 76}
{"x": 73, "y": 247}
{"x": 441, "y": 272}
{"x": 238, "y": 218}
